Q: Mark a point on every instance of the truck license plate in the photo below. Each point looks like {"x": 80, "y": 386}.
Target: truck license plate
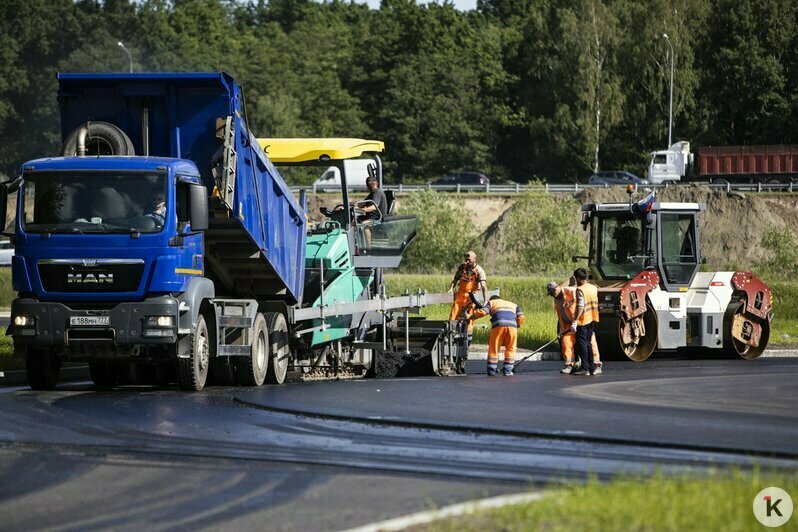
{"x": 89, "y": 321}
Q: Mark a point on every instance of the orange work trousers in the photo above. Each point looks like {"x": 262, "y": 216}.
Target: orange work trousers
{"x": 568, "y": 344}
{"x": 502, "y": 336}
{"x": 460, "y": 302}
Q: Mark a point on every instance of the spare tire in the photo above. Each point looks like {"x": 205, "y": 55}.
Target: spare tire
{"x": 102, "y": 139}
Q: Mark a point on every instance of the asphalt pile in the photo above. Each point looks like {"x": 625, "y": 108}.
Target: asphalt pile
{"x": 391, "y": 364}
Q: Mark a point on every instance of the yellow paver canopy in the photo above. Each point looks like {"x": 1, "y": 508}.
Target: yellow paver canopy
{"x": 309, "y": 150}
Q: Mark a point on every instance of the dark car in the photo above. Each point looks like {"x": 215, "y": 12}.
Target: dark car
{"x": 615, "y": 177}
{"x": 474, "y": 179}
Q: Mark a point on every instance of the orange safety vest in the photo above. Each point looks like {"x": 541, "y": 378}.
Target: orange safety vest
{"x": 566, "y": 307}
{"x": 469, "y": 280}
{"x": 591, "y": 313}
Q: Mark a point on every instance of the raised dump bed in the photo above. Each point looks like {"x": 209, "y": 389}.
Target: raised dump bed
{"x": 255, "y": 245}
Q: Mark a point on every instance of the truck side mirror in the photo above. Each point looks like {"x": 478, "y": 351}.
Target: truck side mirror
{"x": 198, "y": 207}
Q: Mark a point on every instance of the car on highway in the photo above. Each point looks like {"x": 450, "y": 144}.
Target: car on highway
{"x": 471, "y": 179}
{"x": 6, "y": 253}
{"x": 615, "y": 177}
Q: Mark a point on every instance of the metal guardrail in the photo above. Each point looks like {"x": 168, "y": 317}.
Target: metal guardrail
{"x": 551, "y": 188}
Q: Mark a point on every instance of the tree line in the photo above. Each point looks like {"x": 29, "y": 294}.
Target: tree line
{"x": 518, "y": 89}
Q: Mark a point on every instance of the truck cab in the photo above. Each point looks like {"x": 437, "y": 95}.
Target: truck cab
{"x": 670, "y": 165}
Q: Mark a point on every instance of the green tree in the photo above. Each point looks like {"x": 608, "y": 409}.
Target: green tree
{"x": 445, "y": 231}
{"x": 535, "y": 237}
{"x": 745, "y": 95}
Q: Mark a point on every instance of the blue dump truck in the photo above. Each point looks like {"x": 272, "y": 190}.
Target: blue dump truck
{"x": 162, "y": 245}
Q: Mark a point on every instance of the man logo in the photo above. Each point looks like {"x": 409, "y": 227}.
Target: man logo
{"x": 772, "y": 507}
{"x": 90, "y": 278}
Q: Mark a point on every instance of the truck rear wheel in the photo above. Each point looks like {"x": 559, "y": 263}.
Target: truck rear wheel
{"x": 252, "y": 369}
{"x": 279, "y": 347}
{"x": 43, "y": 368}
{"x": 192, "y": 372}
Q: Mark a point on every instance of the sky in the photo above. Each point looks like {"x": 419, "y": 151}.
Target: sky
{"x": 462, "y": 5}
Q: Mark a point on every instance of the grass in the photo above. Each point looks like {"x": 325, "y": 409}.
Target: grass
{"x": 7, "y": 361}
{"x": 718, "y": 501}
{"x": 541, "y": 325}
{"x": 7, "y": 293}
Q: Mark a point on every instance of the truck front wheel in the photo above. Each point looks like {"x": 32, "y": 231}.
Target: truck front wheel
{"x": 43, "y": 368}
{"x": 192, "y": 372}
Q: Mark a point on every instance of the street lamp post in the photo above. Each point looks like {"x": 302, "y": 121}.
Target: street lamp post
{"x": 129, "y": 57}
{"x": 670, "y": 106}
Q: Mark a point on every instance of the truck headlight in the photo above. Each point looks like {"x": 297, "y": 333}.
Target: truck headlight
{"x": 24, "y": 321}
{"x": 161, "y": 321}
{"x": 159, "y": 326}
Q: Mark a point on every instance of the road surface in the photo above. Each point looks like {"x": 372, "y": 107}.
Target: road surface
{"x": 334, "y": 455}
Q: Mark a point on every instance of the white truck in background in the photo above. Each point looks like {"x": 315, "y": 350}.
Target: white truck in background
{"x": 670, "y": 165}
{"x": 356, "y": 174}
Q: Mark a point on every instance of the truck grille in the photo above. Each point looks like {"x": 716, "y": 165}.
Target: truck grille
{"x": 67, "y": 275}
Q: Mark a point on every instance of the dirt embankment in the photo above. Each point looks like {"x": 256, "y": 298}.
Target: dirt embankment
{"x": 733, "y": 224}
{"x": 731, "y": 227}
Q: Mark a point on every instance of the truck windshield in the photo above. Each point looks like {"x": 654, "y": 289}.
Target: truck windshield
{"x": 94, "y": 202}
{"x": 619, "y": 247}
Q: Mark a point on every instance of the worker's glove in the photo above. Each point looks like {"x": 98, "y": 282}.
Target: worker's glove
{"x": 573, "y": 326}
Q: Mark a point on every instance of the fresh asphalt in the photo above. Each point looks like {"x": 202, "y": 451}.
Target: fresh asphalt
{"x": 335, "y": 455}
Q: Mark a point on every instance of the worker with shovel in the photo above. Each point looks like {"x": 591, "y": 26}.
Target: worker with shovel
{"x": 505, "y": 318}
{"x": 565, "y": 307}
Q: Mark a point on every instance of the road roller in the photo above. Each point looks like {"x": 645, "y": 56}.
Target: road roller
{"x": 645, "y": 257}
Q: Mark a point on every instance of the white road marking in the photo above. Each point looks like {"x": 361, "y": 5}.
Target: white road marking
{"x": 455, "y": 510}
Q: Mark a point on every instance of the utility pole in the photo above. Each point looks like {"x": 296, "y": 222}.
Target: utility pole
{"x": 670, "y": 106}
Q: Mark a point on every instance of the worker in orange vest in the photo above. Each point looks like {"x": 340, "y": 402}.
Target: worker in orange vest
{"x": 469, "y": 277}
{"x": 587, "y": 315}
{"x": 565, "y": 307}
{"x": 505, "y": 318}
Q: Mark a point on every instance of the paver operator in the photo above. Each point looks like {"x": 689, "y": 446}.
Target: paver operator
{"x": 505, "y": 319}
{"x": 565, "y": 307}
{"x": 469, "y": 277}
{"x": 374, "y": 206}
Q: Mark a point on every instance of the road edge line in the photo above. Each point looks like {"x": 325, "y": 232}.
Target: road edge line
{"x": 454, "y": 510}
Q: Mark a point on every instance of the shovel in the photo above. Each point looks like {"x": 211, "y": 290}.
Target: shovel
{"x": 536, "y": 351}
